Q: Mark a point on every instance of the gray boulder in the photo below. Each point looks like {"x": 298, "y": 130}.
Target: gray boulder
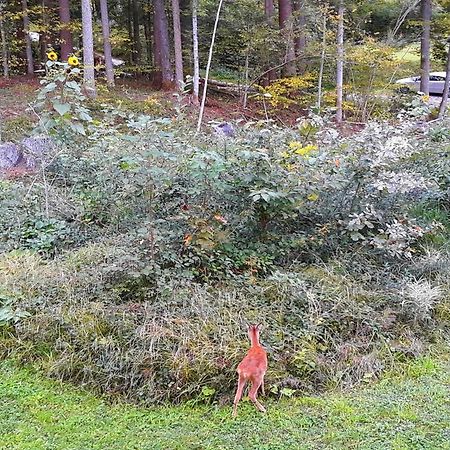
{"x": 10, "y": 155}
{"x": 38, "y": 146}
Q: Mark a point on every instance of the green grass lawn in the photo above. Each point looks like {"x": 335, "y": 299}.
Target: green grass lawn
{"x": 408, "y": 412}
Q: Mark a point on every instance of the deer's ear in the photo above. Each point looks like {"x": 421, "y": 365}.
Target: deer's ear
{"x": 259, "y": 326}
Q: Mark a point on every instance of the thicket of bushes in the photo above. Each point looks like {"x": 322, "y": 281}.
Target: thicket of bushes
{"x": 133, "y": 259}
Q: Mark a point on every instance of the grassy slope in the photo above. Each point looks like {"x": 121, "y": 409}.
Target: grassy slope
{"x": 398, "y": 413}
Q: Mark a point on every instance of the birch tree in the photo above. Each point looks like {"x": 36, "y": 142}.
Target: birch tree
{"x": 196, "y": 78}
{"x": 340, "y": 62}
{"x": 88, "y": 49}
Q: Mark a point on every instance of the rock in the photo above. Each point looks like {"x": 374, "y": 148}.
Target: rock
{"x": 10, "y": 155}
{"x": 38, "y": 146}
{"x": 224, "y": 129}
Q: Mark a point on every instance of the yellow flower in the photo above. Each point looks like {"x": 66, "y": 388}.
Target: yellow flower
{"x": 73, "y": 61}
{"x": 294, "y": 145}
{"x": 285, "y": 155}
{"x": 52, "y": 55}
{"x": 298, "y": 148}
{"x": 313, "y": 197}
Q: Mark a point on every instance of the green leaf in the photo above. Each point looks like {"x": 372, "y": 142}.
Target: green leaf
{"x": 61, "y": 108}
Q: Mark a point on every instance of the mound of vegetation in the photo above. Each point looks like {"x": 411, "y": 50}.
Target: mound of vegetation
{"x": 134, "y": 253}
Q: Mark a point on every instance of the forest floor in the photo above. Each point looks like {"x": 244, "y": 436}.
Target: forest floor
{"x": 17, "y": 95}
{"x": 408, "y": 411}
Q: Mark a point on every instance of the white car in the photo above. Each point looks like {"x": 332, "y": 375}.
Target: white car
{"x": 437, "y": 80}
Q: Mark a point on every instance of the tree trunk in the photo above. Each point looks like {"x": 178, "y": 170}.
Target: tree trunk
{"x": 208, "y": 66}
{"x": 269, "y": 11}
{"x": 88, "y": 49}
{"x": 148, "y": 33}
{"x": 300, "y": 39}
{"x": 107, "y": 43}
{"x": 196, "y": 78}
{"x": 179, "y": 78}
{"x": 443, "y": 105}
{"x": 26, "y": 30}
{"x": 425, "y": 47}
{"x": 137, "y": 54}
{"x": 43, "y": 39}
{"x": 4, "y": 44}
{"x": 65, "y": 33}
{"x": 285, "y": 18}
{"x": 130, "y": 31}
{"x": 322, "y": 60}
{"x": 340, "y": 63}
{"x": 162, "y": 43}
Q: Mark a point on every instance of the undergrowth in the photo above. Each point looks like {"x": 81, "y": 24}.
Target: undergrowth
{"x": 133, "y": 258}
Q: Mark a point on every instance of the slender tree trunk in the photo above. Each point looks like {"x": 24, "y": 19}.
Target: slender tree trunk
{"x": 148, "y": 33}
{"x": 186, "y": 31}
{"x": 107, "y": 43}
{"x": 269, "y": 11}
{"x": 88, "y": 49}
{"x": 136, "y": 34}
{"x": 322, "y": 60}
{"x": 65, "y": 33}
{"x": 443, "y": 105}
{"x": 4, "y": 44}
{"x": 26, "y": 30}
{"x": 196, "y": 78}
{"x": 163, "y": 43}
{"x": 286, "y": 23}
{"x": 179, "y": 78}
{"x": 300, "y": 39}
{"x": 208, "y": 66}
{"x": 425, "y": 47}
{"x": 340, "y": 63}
{"x": 43, "y": 38}
{"x": 130, "y": 31}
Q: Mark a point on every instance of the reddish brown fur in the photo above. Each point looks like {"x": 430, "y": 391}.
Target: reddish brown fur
{"x": 252, "y": 368}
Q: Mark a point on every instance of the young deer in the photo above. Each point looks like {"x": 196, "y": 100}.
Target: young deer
{"x": 252, "y": 368}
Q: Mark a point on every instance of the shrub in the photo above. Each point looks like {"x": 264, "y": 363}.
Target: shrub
{"x": 141, "y": 251}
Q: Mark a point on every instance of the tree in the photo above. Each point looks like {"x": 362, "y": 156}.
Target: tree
{"x": 65, "y": 33}
{"x": 88, "y": 48}
{"x": 179, "y": 78}
{"x": 322, "y": 57}
{"x": 425, "y": 46}
{"x": 300, "y": 39}
{"x": 26, "y": 30}
{"x": 208, "y": 66}
{"x": 269, "y": 11}
{"x": 196, "y": 77}
{"x": 340, "y": 62}
{"x": 137, "y": 53}
{"x": 162, "y": 44}
{"x": 4, "y": 43}
{"x": 443, "y": 105}
{"x": 285, "y": 19}
{"x": 107, "y": 43}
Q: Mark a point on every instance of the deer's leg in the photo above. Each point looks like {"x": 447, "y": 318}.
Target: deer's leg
{"x": 237, "y": 397}
{"x": 252, "y": 394}
{"x": 262, "y": 386}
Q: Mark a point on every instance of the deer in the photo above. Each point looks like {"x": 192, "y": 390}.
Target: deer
{"x": 252, "y": 368}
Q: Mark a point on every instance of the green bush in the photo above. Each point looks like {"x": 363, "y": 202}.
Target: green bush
{"x": 141, "y": 251}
